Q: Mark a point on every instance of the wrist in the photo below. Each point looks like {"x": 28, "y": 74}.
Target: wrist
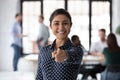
{"x": 66, "y": 56}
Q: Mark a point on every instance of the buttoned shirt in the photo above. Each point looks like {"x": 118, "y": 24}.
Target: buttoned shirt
{"x": 43, "y": 33}
{"x": 16, "y": 30}
{"x": 48, "y": 69}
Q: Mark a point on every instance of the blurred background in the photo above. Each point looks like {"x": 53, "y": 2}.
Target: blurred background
{"x": 87, "y": 15}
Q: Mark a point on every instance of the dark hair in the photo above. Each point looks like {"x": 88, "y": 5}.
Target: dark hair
{"x": 74, "y": 37}
{"x": 59, "y": 12}
{"x": 103, "y": 30}
{"x": 18, "y": 14}
{"x": 41, "y": 16}
{"x": 112, "y": 42}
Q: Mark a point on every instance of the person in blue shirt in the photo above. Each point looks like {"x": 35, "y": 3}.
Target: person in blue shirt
{"x": 17, "y": 40}
{"x": 44, "y": 33}
{"x": 42, "y": 36}
{"x": 60, "y": 60}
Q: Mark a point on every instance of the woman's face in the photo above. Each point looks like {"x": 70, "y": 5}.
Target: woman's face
{"x": 61, "y": 26}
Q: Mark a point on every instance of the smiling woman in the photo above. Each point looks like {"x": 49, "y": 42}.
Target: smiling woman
{"x": 60, "y": 60}
{"x": 61, "y": 26}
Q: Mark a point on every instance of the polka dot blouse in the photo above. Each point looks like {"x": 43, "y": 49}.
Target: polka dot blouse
{"x": 48, "y": 69}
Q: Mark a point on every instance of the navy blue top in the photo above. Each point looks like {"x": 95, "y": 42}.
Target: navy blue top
{"x": 48, "y": 69}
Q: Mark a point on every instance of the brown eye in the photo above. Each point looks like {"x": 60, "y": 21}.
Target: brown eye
{"x": 65, "y": 23}
{"x": 56, "y": 24}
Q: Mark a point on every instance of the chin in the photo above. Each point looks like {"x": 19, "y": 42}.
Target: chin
{"x": 62, "y": 38}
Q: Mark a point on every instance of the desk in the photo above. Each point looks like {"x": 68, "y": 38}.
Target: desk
{"x": 87, "y": 59}
{"x": 92, "y": 59}
{"x": 33, "y": 58}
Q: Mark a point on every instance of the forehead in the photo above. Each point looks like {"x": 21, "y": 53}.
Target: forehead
{"x": 60, "y": 17}
{"x": 19, "y": 16}
{"x": 101, "y": 32}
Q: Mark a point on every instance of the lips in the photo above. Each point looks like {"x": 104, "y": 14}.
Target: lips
{"x": 61, "y": 32}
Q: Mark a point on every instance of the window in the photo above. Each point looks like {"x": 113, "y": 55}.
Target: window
{"x": 100, "y": 18}
{"x": 79, "y": 10}
{"x": 87, "y": 15}
{"x": 48, "y": 8}
{"x": 30, "y": 12}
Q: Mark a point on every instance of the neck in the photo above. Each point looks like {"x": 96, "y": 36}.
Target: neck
{"x": 17, "y": 20}
{"x": 60, "y": 42}
{"x": 103, "y": 40}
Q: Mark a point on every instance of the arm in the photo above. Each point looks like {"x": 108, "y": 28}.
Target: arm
{"x": 17, "y": 33}
{"x": 94, "y": 51}
{"x": 75, "y": 55}
{"x": 20, "y": 35}
{"x": 39, "y": 71}
{"x": 40, "y": 33}
{"x": 35, "y": 47}
{"x": 103, "y": 55}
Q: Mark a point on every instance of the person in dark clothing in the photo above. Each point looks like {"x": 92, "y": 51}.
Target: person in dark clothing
{"x": 112, "y": 59}
{"x": 60, "y": 60}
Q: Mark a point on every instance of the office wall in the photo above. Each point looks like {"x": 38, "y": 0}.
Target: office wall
{"x": 116, "y": 17}
{"x": 8, "y": 9}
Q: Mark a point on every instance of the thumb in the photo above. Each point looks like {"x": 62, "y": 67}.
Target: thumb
{"x": 53, "y": 54}
{"x": 58, "y": 50}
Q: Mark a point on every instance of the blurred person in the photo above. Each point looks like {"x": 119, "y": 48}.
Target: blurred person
{"x": 44, "y": 34}
{"x": 76, "y": 41}
{"x": 97, "y": 47}
{"x": 61, "y": 60}
{"x": 17, "y": 40}
{"x": 96, "y": 50}
{"x": 112, "y": 59}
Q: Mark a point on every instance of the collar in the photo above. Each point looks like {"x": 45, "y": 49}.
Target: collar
{"x": 65, "y": 46}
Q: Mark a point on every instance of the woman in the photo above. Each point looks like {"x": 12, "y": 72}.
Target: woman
{"x": 61, "y": 60}
{"x": 112, "y": 56}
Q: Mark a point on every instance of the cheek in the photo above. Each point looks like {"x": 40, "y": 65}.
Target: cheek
{"x": 54, "y": 30}
{"x": 68, "y": 29}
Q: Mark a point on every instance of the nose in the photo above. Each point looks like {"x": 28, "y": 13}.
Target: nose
{"x": 61, "y": 26}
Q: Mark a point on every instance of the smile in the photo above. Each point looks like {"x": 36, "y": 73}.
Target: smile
{"x": 61, "y": 32}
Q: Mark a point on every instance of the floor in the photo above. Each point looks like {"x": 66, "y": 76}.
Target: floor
{"x": 16, "y": 76}
{"x": 27, "y": 76}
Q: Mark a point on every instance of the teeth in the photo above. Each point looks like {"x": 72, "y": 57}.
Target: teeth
{"x": 61, "y": 32}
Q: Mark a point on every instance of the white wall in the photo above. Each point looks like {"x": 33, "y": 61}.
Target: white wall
{"x": 116, "y": 17}
{"x": 7, "y": 12}
{"x": 8, "y": 9}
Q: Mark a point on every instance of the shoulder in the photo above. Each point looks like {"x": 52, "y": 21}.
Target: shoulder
{"x": 105, "y": 50}
{"x": 46, "y": 27}
{"x": 14, "y": 24}
{"x": 76, "y": 48}
{"x": 45, "y": 48}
